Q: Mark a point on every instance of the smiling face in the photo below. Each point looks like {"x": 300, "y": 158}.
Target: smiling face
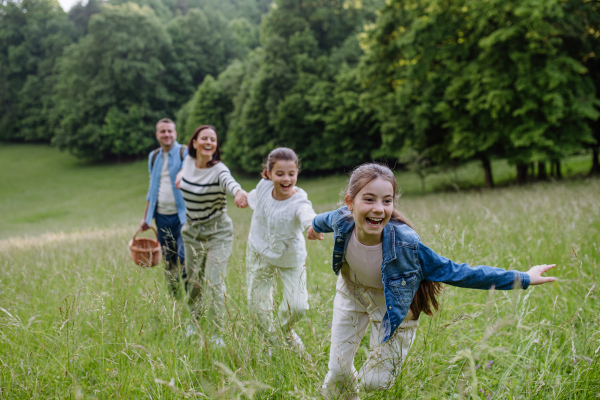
{"x": 372, "y": 208}
{"x": 166, "y": 135}
{"x": 284, "y": 175}
{"x": 205, "y": 144}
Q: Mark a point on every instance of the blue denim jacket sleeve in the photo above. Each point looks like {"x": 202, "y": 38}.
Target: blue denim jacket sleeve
{"x": 440, "y": 269}
{"x": 149, "y": 174}
{"x": 323, "y": 223}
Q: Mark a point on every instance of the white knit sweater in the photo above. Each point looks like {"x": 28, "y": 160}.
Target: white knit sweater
{"x": 277, "y": 229}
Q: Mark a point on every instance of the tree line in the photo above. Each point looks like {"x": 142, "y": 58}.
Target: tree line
{"x": 426, "y": 82}
{"x": 96, "y": 79}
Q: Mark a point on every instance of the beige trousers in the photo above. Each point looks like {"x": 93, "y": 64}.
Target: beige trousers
{"x": 354, "y": 307}
{"x": 208, "y": 247}
{"x": 261, "y": 277}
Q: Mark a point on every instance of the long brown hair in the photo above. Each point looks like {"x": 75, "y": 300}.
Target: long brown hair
{"x": 425, "y": 299}
{"x": 192, "y": 151}
{"x": 279, "y": 154}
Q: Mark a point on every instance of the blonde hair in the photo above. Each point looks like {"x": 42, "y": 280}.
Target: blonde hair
{"x": 425, "y": 298}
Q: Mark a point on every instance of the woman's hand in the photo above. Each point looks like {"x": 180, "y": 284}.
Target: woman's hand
{"x": 312, "y": 235}
{"x": 178, "y": 179}
{"x": 535, "y": 274}
{"x": 241, "y": 198}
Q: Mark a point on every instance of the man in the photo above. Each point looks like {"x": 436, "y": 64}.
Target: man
{"x": 164, "y": 201}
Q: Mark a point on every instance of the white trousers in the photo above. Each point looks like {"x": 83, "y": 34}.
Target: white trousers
{"x": 260, "y": 279}
{"x": 354, "y": 307}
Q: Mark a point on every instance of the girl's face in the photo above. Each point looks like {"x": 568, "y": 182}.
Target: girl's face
{"x": 372, "y": 209}
{"x": 206, "y": 143}
{"x": 284, "y": 175}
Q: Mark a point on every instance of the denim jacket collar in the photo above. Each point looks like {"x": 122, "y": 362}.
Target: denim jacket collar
{"x": 346, "y": 225}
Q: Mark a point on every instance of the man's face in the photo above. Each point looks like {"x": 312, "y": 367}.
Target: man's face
{"x": 166, "y": 134}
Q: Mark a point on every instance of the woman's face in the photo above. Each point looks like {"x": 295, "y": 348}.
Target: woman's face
{"x": 372, "y": 208}
{"x": 205, "y": 143}
{"x": 284, "y": 175}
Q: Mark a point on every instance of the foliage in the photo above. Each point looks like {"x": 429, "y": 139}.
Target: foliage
{"x": 33, "y": 34}
{"x": 284, "y": 97}
{"x": 469, "y": 79}
{"x": 116, "y": 83}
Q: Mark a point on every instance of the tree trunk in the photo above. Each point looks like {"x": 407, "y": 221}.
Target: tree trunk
{"x": 487, "y": 171}
{"x": 557, "y": 171}
{"x": 542, "y": 174}
{"x": 522, "y": 173}
{"x": 595, "y": 165}
{"x": 531, "y": 170}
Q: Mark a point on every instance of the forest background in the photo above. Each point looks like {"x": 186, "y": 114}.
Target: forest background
{"x": 427, "y": 83}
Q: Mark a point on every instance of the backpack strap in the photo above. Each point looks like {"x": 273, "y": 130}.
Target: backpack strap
{"x": 181, "y": 149}
{"x": 154, "y": 155}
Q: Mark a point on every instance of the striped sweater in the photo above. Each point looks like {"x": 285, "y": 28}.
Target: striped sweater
{"x": 204, "y": 190}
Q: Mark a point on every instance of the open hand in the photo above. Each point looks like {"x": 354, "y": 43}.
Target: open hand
{"x": 312, "y": 235}
{"x": 535, "y": 274}
{"x": 241, "y": 198}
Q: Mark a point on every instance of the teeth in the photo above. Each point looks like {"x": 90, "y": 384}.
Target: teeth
{"x": 376, "y": 219}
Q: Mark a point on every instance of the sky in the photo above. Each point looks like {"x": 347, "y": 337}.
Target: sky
{"x": 67, "y": 4}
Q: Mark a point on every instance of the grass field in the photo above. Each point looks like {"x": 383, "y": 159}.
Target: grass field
{"x": 79, "y": 320}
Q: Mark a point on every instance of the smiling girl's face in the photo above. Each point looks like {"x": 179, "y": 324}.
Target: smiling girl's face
{"x": 372, "y": 208}
{"x": 284, "y": 175}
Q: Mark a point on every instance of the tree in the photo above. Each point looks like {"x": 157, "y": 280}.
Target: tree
{"x": 304, "y": 45}
{"x": 116, "y": 83}
{"x": 476, "y": 80}
{"x": 33, "y": 34}
{"x": 80, "y": 14}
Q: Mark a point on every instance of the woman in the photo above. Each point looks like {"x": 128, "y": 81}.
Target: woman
{"x": 208, "y": 230}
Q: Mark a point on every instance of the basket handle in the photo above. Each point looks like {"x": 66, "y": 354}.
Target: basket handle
{"x": 140, "y": 230}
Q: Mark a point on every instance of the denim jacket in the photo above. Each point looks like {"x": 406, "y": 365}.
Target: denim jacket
{"x": 406, "y": 262}
{"x": 154, "y": 171}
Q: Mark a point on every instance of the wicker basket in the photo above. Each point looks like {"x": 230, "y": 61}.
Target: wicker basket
{"x": 145, "y": 252}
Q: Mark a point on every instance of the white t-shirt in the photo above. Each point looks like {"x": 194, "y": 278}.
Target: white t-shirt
{"x": 166, "y": 199}
{"x": 277, "y": 229}
{"x": 365, "y": 262}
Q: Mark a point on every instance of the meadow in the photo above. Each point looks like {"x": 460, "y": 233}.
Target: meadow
{"x": 79, "y": 320}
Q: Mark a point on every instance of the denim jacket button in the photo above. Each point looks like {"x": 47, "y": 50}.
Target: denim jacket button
{"x": 394, "y": 325}
{"x": 390, "y": 307}
{"x": 339, "y": 240}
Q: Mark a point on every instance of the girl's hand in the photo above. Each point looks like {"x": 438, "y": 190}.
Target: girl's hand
{"x": 535, "y": 274}
{"x": 178, "y": 179}
{"x": 312, "y": 235}
{"x": 241, "y": 198}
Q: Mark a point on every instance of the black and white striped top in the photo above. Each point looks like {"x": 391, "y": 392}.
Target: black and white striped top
{"x": 204, "y": 190}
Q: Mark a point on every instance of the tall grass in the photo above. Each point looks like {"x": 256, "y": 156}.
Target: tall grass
{"x": 78, "y": 320}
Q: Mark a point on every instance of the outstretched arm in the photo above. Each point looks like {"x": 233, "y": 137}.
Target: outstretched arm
{"x": 440, "y": 269}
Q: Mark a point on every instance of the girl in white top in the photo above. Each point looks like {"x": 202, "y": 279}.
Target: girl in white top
{"x": 276, "y": 246}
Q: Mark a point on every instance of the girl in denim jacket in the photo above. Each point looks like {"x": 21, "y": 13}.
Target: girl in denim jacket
{"x": 387, "y": 277}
